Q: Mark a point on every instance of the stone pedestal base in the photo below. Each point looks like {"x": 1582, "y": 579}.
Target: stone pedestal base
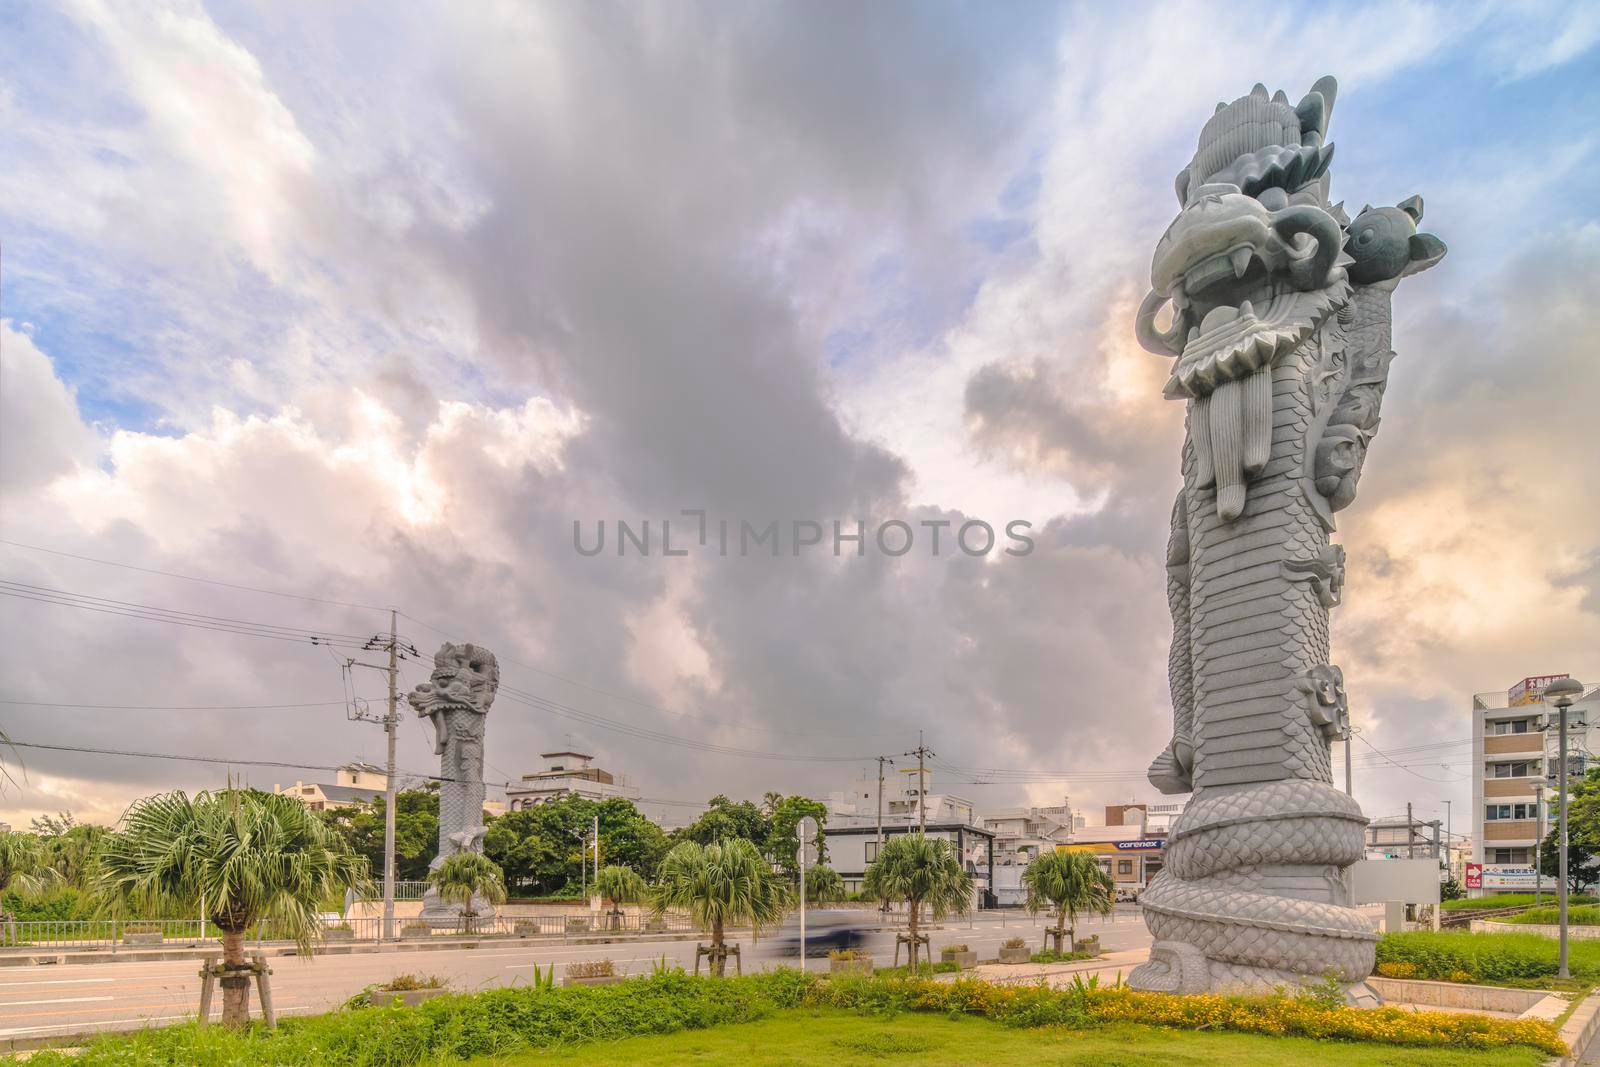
{"x": 447, "y": 914}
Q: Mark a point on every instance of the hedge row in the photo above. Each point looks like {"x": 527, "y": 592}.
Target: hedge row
{"x": 1457, "y": 956}
{"x": 504, "y": 1021}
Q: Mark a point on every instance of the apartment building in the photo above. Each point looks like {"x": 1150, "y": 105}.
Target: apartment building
{"x": 1020, "y": 835}
{"x": 1515, "y": 756}
{"x": 353, "y": 784}
{"x": 567, "y": 774}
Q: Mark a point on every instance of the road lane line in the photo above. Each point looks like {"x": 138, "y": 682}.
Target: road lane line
{"x": 63, "y": 1000}
{"x": 59, "y": 981}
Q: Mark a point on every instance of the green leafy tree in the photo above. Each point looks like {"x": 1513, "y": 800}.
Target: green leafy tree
{"x": 469, "y": 879}
{"x": 1583, "y": 849}
{"x": 920, "y": 871}
{"x": 247, "y": 855}
{"x": 72, "y": 852}
{"x": 620, "y": 885}
{"x": 416, "y": 831}
{"x": 724, "y": 820}
{"x": 539, "y": 852}
{"x": 720, "y": 885}
{"x": 1070, "y": 882}
{"x": 783, "y": 832}
{"x": 823, "y": 885}
{"x": 1583, "y": 860}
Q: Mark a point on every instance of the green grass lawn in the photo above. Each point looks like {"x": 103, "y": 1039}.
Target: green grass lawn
{"x": 835, "y": 1038}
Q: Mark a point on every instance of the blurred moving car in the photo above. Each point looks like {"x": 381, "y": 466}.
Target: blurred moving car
{"x": 826, "y": 929}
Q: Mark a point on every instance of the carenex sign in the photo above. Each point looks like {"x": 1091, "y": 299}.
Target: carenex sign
{"x": 1144, "y": 844}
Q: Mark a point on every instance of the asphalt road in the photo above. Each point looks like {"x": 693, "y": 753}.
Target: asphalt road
{"x": 50, "y": 1000}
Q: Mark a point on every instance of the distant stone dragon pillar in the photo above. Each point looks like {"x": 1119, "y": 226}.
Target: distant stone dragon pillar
{"x": 1279, "y": 312}
{"x": 457, "y": 699}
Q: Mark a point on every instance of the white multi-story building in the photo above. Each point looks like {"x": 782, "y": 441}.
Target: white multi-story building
{"x": 1515, "y": 747}
{"x": 354, "y": 783}
{"x": 903, "y": 790}
{"x": 1020, "y": 835}
{"x": 567, "y": 774}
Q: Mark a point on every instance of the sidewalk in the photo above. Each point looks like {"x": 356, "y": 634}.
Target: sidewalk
{"x": 1056, "y": 975}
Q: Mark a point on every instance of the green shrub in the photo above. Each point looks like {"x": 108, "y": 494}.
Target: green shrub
{"x": 1511, "y": 900}
{"x": 1052, "y": 956}
{"x": 1491, "y": 958}
{"x": 1550, "y": 915}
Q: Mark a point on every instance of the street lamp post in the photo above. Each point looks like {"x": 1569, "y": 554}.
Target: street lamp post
{"x": 1561, "y": 693}
{"x": 1538, "y": 863}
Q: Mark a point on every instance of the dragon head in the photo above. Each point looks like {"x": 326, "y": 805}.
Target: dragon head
{"x": 464, "y": 676}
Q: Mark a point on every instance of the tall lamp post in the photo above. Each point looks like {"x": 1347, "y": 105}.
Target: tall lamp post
{"x": 1538, "y": 864}
{"x": 1562, "y": 692}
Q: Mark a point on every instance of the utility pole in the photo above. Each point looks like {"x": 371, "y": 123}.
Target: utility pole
{"x": 922, "y": 751}
{"x": 390, "y": 722}
{"x": 881, "y": 761}
{"x": 1411, "y": 835}
{"x": 1349, "y": 740}
{"x": 597, "y": 852}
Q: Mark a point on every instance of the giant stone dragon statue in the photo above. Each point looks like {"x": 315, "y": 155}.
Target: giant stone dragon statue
{"x": 457, "y": 698}
{"x": 1280, "y": 329}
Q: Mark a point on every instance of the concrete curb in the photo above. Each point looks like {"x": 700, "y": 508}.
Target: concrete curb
{"x": 1579, "y": 1031}
{"x": 334, "y": 949}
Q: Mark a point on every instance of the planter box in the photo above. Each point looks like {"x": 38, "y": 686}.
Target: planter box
{"x": 655, "y": 926}
{"x": 415, "y": 933}
{"x": 409, "y": 998}
{"x": 965, "y": 960}
{"x": 335, "y": 934}
{"x": 1016, "y": 955}
{"x": 524, "y": 929}
{"x": 576, "y": 925}
{"x": 601, "y": 979}
{"x": 1088, "y": 944}
{"x": 850, "y": 967}
{"x": 151, "y": 938}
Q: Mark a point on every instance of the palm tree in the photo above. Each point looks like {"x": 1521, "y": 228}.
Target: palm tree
{"x": 723, "y": 884}
{"x": 465, "y": 878}
{"x": 823, "y": 885}
{"x": 247, "y": 855}
{"x": 920, "y": 870}
{"x": 1072, "y": 882}
{"x": 24, "y": 870}
{"x": 620, "y": 885}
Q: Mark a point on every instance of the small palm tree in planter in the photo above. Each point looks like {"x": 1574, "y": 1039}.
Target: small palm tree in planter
{"x": 1071, "y": 882}
{"x": 920, "y": 870}
{"x": 620, "y": 885}
{"x": 248, "y": 855}
{"x": 466, "y": 878}
{"x": 720, "y": 885}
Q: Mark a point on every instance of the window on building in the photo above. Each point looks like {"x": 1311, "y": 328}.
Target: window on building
{"x": 1510, "y": 811}
{"x": 1514, "y": 769}
{"x": 872, "y": 851}
{"x": 1124, "y": 868}
{"x": 1507, "y": 855}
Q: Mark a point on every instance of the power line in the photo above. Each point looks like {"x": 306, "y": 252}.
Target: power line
{"x": 173, "y": 707}
{"x": 219, "y": 760}
{"x": 193, "y": 620}
{"x": 657, "y": 708}
{"x": 191, "y": 578}
{"x": 1408, "y": 770}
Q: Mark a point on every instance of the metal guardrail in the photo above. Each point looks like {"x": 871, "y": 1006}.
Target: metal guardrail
{"x": 129, "y": 935}
{"x": 121, "y": 934}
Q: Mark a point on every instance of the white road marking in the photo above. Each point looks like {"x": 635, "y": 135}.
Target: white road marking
{"x": 59, "y": 981}
{"x": 63, "y": 1000}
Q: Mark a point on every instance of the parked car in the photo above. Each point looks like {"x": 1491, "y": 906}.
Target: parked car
{"x": 826, "y": 928}
{"x": 1127, "y": 896}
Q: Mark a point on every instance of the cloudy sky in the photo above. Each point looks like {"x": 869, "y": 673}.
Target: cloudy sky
{"x": 364, "y": 305}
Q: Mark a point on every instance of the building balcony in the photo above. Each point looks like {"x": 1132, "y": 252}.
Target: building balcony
{"x": 1506, "y": 831}
{"x": 1505, "y": 744}
{"x": 1510, "y": 787}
